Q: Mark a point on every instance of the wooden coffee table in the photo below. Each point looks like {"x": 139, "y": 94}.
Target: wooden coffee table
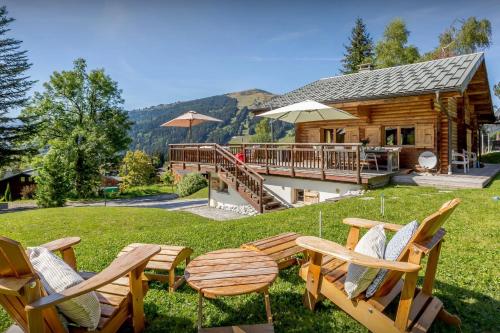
{"x": 231, "y": 272}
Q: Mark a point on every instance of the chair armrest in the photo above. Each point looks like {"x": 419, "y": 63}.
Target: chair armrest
{"x": 335, "y": 250}
{"x": 61, "y": 244}
{"x": 117, "y": 269}
{"x": 367, "y": 224}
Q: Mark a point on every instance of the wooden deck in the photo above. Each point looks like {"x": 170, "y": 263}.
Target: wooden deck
{"x": 370, "y": 178}
{"x": 475, "y": 178}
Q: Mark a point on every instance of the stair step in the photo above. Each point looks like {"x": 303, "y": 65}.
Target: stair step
{"x": 272, "y": 204}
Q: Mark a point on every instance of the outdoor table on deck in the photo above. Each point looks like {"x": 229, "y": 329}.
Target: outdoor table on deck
{"x": 392, "y": 156}
{"x": 232, "y": 272}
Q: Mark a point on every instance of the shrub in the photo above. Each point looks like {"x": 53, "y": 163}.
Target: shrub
{"x": 167, "y": 178}
{"x": 28, "y": 191}
{"x": 136, "y": 170}
{"x": 52, "y": 181}
{"x": 191, "y": 183}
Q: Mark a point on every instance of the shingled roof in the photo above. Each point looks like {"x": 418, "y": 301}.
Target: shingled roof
{"x": 449, "y": 74}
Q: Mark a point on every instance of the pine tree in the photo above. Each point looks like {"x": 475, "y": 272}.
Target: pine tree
{"x": 359, "y": 50}
{"x": 14, "y": 84}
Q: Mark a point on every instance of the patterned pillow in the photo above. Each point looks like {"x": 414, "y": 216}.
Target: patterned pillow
{"x": 57, "y": 276}
{"x": 359, "y": 277}
{"x": 394, "y": 248}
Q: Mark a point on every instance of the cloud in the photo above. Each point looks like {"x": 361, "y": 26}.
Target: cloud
{"x": 292, "y": 35}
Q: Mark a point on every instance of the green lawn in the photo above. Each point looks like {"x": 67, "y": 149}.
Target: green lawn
{"x": 468, "y": 277}
{"x": 201, "y": 194}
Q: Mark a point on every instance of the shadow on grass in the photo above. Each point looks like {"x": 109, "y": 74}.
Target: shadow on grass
{"x": 478, "y": 312}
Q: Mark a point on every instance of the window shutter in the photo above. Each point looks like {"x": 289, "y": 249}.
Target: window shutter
{"x": 372, "y": 133}
{"x": 352, "y": 135}
{"x": 424, "y": 136}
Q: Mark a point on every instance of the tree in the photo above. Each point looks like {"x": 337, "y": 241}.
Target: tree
{"x": 496, "y": 89}
{"x": 81, "y": 117}
{"x": 393, "y": 49}
{"x": 52, "y": 179}
{"x": 359, "y": 50}
{"x": 462, "y": 37}
{"x": 262, "y": 131}
{"x": 137, "y": 169}
{"x": 14, "y": 84}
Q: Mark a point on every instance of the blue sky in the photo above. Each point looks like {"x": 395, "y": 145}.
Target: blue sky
{"x": 166, "y": 51}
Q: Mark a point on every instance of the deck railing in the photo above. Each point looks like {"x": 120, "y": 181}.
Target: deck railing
{"x": 322, "y": 157}
{"x": 213, "y": 154}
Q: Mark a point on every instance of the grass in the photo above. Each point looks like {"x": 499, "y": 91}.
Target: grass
{"x": 491, "y": 158}
{"x": 468, "y": 277}
{"x": 200, "y": 194}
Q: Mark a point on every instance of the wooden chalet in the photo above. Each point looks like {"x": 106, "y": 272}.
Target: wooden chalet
{"x": 436, "y": 105}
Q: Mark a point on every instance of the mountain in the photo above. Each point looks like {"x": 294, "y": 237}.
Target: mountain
{"x": 231, "y": 108}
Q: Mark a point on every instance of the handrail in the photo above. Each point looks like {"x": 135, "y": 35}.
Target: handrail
{"x": 247, "y": 177}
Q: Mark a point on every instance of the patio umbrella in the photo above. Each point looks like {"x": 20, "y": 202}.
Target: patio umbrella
{"x": 307, "y": 111}
{"x": 189, "y": 119}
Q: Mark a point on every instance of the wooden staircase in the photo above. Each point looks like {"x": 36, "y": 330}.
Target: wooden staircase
{"x": 247, "y": 182}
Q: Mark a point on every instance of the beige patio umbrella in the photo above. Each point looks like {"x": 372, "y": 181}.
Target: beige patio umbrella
{"x": 307, "y": 111}
{"x": 190, "y": 119}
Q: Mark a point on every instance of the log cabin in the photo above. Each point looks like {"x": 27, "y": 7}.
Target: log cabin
{"x": 436, "y": 105}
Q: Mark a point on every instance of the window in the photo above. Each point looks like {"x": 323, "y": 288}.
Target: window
{"x": 299, "y": 195}
{"x": 23, "y": 179}
{"x": 339, "y": 135}
{"x": 391, "y": 136}
{"x": 328, "y": 135}
{"x": 408, "y": 136}
{"x": 334, "y": 135}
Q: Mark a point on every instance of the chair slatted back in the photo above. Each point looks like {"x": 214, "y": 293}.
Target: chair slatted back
{"x": 425, "y": 232}
{"x": 14, "y": 264}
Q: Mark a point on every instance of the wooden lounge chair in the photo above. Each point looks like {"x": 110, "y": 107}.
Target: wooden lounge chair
{"x": 119, "y": 288}
{"x": 165, "y": 263}
{"x": 325, "y": 275}
{"x": 281, "y": 248}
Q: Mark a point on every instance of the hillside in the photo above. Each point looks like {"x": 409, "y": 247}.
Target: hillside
{"x": 231, "y": 108}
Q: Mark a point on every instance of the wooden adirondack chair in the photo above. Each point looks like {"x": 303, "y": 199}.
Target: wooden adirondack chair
{"x": 326, "y": 270}
{"x": 25, "y": 300}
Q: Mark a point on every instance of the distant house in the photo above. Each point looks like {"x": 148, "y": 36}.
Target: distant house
{"x": 17, "y": 180}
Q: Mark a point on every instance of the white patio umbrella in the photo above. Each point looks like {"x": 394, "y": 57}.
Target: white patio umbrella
{"x": 190, "y": 119}
{"x": 307, "y": 111}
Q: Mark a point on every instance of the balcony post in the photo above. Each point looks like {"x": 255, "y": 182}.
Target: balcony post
{"x": 322, "y": 161}
{"x": 358, "y": 169}
{"x": 198, "y": 156}
{"x": 266, "y": 156}
{"x": 261, "y": 189}
{"x": 292, "y": 160}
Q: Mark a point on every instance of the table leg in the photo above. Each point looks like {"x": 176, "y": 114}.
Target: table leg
{"x": 200, "y": 309}
{"x": 268, "y": 307}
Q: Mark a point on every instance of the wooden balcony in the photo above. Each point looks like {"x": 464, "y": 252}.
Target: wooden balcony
{"x": 330, "y": 162}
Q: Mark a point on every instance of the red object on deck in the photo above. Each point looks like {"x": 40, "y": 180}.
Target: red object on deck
{"x": 240, "y": 156}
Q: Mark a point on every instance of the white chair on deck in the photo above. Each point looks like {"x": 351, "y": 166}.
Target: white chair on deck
{"x": 460, "y": 159}
{"x": 471, "y": 157}
{"x": 367, "y": 158}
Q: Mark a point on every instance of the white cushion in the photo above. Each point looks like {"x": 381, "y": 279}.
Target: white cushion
{"x": 394, "y": 248}
{"x": 57, "y": 276}
{"x": 360, "y": 277}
